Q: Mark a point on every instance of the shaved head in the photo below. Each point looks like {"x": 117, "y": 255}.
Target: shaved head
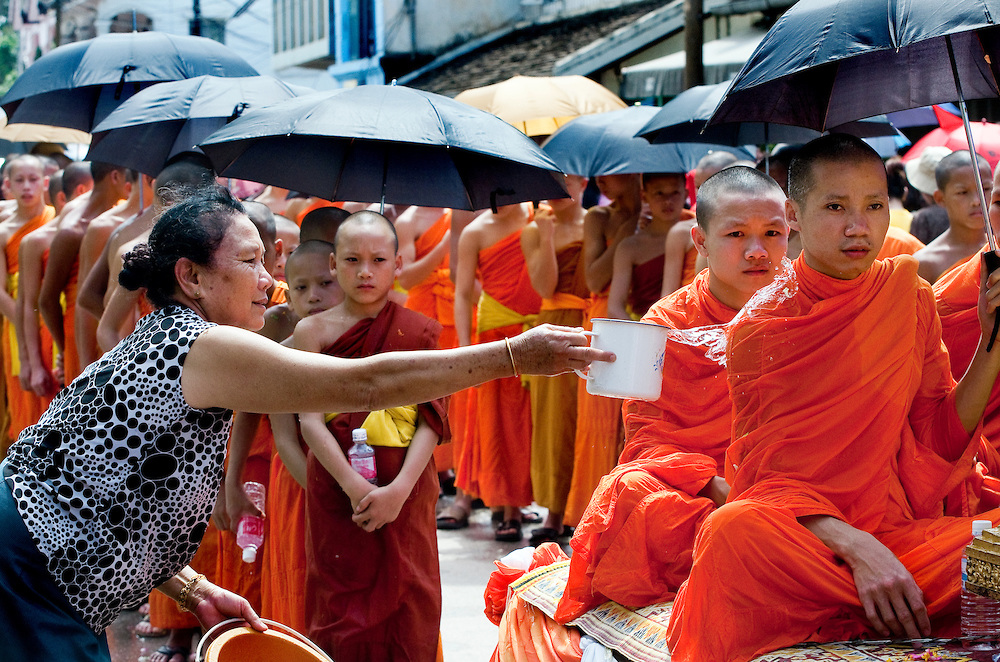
{"x": 368, "y": 218}
{"x": 835, "y": 147}
{"x": 742, "y": 181}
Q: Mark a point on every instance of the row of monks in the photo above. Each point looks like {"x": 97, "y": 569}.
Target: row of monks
{"x": 820, "y": 483}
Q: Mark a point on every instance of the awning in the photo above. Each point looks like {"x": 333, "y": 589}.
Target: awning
{"x": 664, "y": 76}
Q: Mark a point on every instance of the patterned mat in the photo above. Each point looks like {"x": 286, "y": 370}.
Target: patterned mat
{"x": 641, "y": 635}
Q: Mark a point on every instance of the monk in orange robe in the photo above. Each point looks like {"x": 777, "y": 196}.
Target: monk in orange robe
{"x": 424, "y": 240}
{"x": 374, "y": 588}
{"x": 599, "y": 422}
{"x": 837, "y": 524}
{"x": 59, "y": 285}
{"x": 957, "y": 296}
{"x": 634, "y": 542}
{"x": 25, "y": 177}
{"x": 553, "y": 251}
{"x": 497, "y": 464}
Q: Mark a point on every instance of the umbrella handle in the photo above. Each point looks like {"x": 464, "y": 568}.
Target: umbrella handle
{"x": 992, "y": 262}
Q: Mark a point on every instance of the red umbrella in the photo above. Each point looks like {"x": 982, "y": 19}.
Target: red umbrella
{"x": 985, "y": 135}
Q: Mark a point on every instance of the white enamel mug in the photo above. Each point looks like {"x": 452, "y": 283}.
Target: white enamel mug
{"x": 637, "y": 372}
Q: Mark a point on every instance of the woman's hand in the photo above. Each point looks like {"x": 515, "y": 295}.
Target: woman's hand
{"x": 553, "y": 350}
{"x": 213, "y": 604}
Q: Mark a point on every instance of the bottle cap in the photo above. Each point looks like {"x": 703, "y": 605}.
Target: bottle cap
{"x": 980, "y": 525}
{"x": 250, "y": 554}
{"x": 361, "y": 434}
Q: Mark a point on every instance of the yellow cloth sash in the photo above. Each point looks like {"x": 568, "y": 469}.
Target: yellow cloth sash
{"x": 494, "y": 315}
{"x": 565, "y": 301}
{"x": 389, "y": 427}
{"x": 15, "y": 359}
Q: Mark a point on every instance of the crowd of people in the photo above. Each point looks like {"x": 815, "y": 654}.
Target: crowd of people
{"x": 142, "y": 310}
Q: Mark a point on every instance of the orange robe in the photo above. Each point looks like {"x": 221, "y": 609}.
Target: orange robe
{"x": 690, "y": 268}
{"x": 497, "y": 466}
{"x": 874, "y": 440}
{"x": 376, "y": 596}
{"x": 647, "y": 282}
{"x": 283, "y": 576}
{"x": 232, "y": 572}
{"x": 24, "y": 406}
{"x": 435, "y": 298}
{"x": 71, "y": 358}
{"x": 898, "y": 242}
{"x": 553, "y": 399}
{"x": 634, "y": 543}
{"x": 957, "y": 296}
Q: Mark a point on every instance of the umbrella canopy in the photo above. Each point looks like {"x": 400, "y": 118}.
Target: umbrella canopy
{"x": 827, "y": 62}
{"x": 389, "y": 143}
{"x": 685, "y": 117}
{"x": 985, "y": 136}
{"x": 605, "y": 144}
{"x": 79, "y": 84}
{"x": 166, "y": 119}
{"x": 538, "y": 105}
{"x": 42, "y": 133}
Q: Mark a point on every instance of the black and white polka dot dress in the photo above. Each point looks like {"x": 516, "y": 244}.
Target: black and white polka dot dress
{"x": 117, "y": 481}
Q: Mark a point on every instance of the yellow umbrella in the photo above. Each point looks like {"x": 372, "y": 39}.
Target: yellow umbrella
{"x": 538, "y": 105}
{"x": 40, "y": 133}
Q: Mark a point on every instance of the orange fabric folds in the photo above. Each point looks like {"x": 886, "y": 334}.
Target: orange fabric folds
{"x": 634, "y": 542}
{"x": 843, "y": 405}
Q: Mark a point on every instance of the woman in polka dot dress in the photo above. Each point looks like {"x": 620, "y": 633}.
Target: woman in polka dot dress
{"x": 109, "y": 494}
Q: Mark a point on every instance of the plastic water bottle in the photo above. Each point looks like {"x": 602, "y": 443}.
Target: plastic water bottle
{"x": 362, "y": 456}
{"x": 980, "y": 614}
{"x": 250, "y": 531}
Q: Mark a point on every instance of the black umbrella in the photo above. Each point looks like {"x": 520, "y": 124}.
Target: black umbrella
{"x": 685, "y": 117}
{"x": 826, "y": 62}
{"x": 605, "y": 144}
{"x": 386, "y": 143}
{"x": 79, "y": 84}
{"x": 168, "y": 118}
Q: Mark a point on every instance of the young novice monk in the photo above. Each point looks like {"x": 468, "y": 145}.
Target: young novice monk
{"x": 634, "y": 542}
{"x": 958, "y": 194}
{"x": 553, "y": 251}
{"x": 25, "y": 176}
{"x": 374, "y": 587}
{"x": 638, "y": 265}
{"x": 849, "y": 436}
{"x": 312, "y": 288}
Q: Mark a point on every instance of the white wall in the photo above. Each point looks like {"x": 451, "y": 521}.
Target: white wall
{"x": 250, "y": 35}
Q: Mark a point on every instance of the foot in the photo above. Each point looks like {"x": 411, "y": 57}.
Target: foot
{"x": 170, "y": 654}
{"x": 146, "y": 630}
{"x": 509, "y": 531}
{"x": 543, "y": 535}
{"x": 529, "y": 516}
{"x": 452, "y": 518}
{"x": 144, "y": 609}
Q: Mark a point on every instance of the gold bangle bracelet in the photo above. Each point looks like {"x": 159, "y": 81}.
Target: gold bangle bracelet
{"x": 185, "y": 593}
{"x": 510, "y": 353}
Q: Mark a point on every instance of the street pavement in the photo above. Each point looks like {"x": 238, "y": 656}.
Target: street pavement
{"x": 467, "y": 557}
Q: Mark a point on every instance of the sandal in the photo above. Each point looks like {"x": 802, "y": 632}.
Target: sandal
{"x": 453, "y": 518}
{"x": 509, "y": 531}
{"x": 546, "y": 534}
{"x": 170, "y": 652}
{"x": 530, "y": 516}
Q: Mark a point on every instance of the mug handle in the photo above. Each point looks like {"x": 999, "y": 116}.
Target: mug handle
{"x": 584, "y": 375}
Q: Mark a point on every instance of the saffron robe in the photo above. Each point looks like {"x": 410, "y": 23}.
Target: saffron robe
{"x": 497, "y": 466}
{"x": 435, "y": 298}
{"x": 634, "y": 542}
{"x": 553, "y": 399}
{"x": 71, "y": 358}
{"x": 24, "y": 407}
{"x": 283, "y": 576}
{"x": 875, "y": 441}
{"x": 957, "y": 297}
{"x": 898, "y": 242}
{"x": 647, "y": 282}
{"x": 375, "y": 596}
{"x": 690, "y": 268}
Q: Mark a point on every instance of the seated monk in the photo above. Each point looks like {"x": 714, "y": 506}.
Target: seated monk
{"x": 634, "y": 542}
{"x": 849, "y": 432}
